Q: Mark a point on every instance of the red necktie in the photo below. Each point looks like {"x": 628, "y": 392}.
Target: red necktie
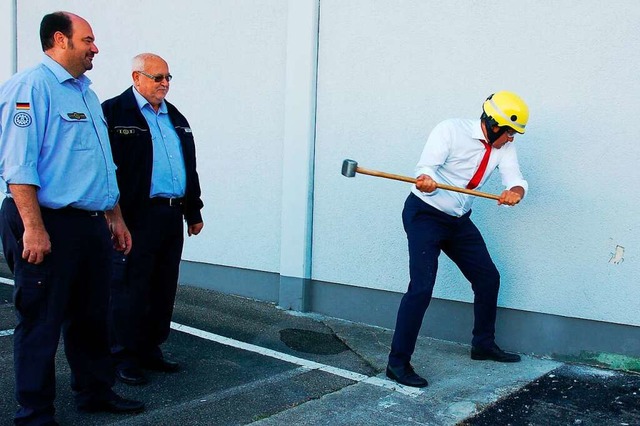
{"x": 475, "y": 180}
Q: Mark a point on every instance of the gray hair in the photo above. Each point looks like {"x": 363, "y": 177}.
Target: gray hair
{"x": 138, "y": 62}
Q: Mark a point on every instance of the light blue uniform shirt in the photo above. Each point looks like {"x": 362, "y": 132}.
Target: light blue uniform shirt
{"x": 168, "y": 175}
{"x": 53, "y": 135}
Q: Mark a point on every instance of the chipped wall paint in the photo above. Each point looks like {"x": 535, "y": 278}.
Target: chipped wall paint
{"x": 617, "y": 256}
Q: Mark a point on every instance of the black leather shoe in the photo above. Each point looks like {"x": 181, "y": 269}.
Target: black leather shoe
{"x": 116, "y": 404}
{"x": 131, "y": 376}
{"x": 405, "y": 375}
{"x": 494, "y": 353}
{"x": 160, "y": 364}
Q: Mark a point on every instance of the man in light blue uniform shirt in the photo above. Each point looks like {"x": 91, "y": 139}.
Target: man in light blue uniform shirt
{"x": 154, "y": 150}
{"x": 59, "y": 180}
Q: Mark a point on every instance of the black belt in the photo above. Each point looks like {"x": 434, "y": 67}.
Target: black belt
{"x": 171, "y": 202}
{"x": 72, "y": 211}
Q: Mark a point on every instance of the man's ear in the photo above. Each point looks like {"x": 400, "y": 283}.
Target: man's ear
{"x": 60, "y": 40}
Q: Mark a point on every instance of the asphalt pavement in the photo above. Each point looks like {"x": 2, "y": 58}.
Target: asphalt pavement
{"x": 248, "y": 362}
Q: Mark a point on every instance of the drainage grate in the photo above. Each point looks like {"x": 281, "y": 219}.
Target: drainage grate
{"x": 312, "y": 342}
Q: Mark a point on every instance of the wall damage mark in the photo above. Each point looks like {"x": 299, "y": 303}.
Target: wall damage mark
{"x": 617, "y": 257}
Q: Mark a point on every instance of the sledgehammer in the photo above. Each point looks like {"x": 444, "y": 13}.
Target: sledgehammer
{"x": 350, "y": 168}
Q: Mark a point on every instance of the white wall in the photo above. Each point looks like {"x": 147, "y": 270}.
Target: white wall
{"x": 228, "y": 62}
{"x": 388, "y": 72}
{"x": 391, "y": 70}
{"x": 7, "y": 35}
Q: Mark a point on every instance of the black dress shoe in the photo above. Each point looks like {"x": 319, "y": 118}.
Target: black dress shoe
{"x": 405, "y": 375}
{"x": 131, "y": 376}
{"x": 116, "y": 404}
{"x": 160, "y": 364}
{"x": 493, "y": 353}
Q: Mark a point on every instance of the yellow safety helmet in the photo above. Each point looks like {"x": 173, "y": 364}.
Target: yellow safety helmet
{"x": 507, "y": 109}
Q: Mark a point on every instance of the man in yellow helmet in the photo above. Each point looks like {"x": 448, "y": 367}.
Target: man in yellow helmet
{"x": 461, "y": 153}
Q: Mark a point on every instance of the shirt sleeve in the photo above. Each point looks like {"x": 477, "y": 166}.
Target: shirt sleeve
{"x": 510, "y": 169}
{"x": 435, "y": 152}
{"x": 22, "y": 114}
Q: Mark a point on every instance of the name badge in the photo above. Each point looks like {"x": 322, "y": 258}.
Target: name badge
{"x": 129, "y": 130}
{"x": 77, "y": 115}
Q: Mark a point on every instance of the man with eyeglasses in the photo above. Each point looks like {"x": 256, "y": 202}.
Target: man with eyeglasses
{"x": 59, "y": 180}
{"x": 154, "y": 151}
{"x": 460, "y": 153}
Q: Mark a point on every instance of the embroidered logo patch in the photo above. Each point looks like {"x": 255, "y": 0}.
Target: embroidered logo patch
{"x": 77, "y": 115}
{"x": 129, "y": 130}
{"x": 22, "y": 119}
{"x": 23, "y": 105}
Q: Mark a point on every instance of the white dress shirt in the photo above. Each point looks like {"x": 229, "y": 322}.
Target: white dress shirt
{"x": 452, "y": 155}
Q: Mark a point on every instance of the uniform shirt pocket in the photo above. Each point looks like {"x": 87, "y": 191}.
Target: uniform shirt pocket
{"x": 77, "y": 132}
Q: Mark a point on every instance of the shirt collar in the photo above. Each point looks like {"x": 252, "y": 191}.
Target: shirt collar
{"x": 142, "y": 102}
{"x": 62, "y": 74}
{"x": 476, "y": 131}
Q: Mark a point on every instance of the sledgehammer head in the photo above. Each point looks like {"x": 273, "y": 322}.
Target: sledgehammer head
{"x": 349, "y": 168}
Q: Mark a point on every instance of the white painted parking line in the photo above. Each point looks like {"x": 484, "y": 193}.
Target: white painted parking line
{"x": 310, "y": 365}
{"x": 6, "y": 281}
{"x": 6, "y": 332}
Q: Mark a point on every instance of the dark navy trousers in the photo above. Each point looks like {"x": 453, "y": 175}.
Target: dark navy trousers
{"x": 68, "y": 293}
{"x": 430, "y": 231}
{"x": 144, "y": 285}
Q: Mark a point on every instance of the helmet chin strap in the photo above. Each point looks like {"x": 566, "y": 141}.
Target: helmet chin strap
{"x": 489, "y": 124}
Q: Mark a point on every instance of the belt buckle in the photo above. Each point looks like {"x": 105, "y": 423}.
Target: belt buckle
{"x": 94, "y": 214}
{"x": 173, "y": 202}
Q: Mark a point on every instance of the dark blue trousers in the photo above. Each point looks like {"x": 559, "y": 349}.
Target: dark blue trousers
{"x": 430, "y": 231}
{"x": 68, "y": 293}
{"x": 144, "y": 285}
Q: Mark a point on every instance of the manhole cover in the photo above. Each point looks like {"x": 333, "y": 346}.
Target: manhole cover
{"x": 312, "y": 342}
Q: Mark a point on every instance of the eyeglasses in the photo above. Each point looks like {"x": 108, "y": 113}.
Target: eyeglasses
{"x": 157, "y": 78}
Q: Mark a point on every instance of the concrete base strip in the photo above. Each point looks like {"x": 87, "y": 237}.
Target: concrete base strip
{"x": 310, "y": 365}
{"x": 6, "y": 333}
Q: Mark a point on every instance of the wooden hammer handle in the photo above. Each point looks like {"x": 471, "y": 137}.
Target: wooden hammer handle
{"x": 413, "y": 180}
